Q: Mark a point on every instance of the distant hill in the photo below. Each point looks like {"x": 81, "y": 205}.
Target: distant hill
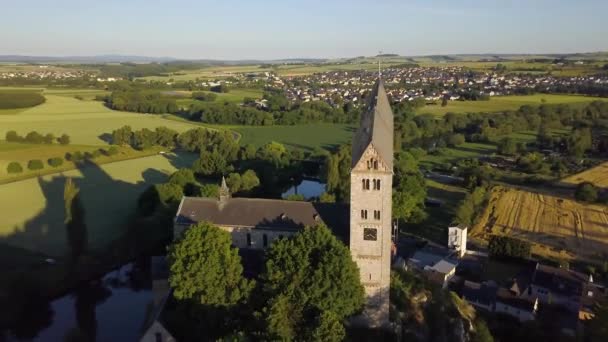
{"x": 490, "y": 57}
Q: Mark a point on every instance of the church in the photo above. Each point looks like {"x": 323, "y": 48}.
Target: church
{"x": 365, "y": 224}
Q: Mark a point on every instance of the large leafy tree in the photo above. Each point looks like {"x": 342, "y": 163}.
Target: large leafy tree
{"x": 206, "y": 269}
{"x": 206, "y": 276}
{"x": 310, "y": 285}
{"x": 409, "y": 191}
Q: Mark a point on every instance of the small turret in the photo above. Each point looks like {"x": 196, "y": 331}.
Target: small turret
{"x": 224, "y": 193}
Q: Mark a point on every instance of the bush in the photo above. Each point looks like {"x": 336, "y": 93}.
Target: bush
{"x": 508, "y": 247}
{"x": 586, "y": 192}
{"x": 35, "y": 164}
{"x": 113, "y": 150}
{"x": 12, "y": 136}
{"x": 64, "y": 139}
{"x": 55, "y": 162}
{"x": 34, "y": 137}
{"x": 14, "y": 167}
{"x": 74, "y": 156}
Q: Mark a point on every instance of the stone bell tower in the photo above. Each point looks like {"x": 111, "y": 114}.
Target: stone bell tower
{"x": 371, "y": 183}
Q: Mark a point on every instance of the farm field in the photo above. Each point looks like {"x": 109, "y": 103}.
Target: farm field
{"x": 33, "y": 209}
{"x": 86, "y": 122}
{"x": 501, "y": 103}
{"x": 306, "y": 137}
{"x": 453, "y": 154}
{"x": 597, "y": 175}
{"x": 554, "y": 224}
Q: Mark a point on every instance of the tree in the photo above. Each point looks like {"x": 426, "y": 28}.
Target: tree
{"x": 586, "y": 192}
{"x": 409, "y": 191}
{"x": 507, "y": 146}
{"x": 144, "y": 139}
{"x": 182, "y": 177}
{"x": 206, "y": 269}
{"x": 14, "y": 167}
{"x": 310, "y": 283}
{"x": 249, "y": 180}
{"x": 35, "y": 164}
{"x": 456, "y": 139}
{"x": 328, "y": 328}
{"x": 165, "y": 137}
{"x": 49, "y": 138}
{"x": 64, "y": 139}
{"x": 234, "y": 182}
{"x": 122, "y": 136}
{"x": 12, "y": 136}
{"x": 210, "y": 164}
{"x": 34, "y": 137}
{"x": 55, "y": 162}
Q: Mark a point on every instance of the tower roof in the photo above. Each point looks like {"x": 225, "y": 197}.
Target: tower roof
{"x": 376, "y": 127}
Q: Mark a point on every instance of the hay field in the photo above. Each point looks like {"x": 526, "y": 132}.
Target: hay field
{"x": 597, "y": 175}
{"x": 84, "y": 121}
{"x": 554, "y": 222}
{"x": 33, "y": 209}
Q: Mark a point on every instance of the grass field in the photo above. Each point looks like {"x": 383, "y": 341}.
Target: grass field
{"x": 22, "y": 153}
{"x": 33, "y": 210}
{"x": 597, "y": 175}
{"x": 86, "y": 122}
{"x": 305, "y": 137}
{"x": 502, "y": 103}
{"x": 233, "y": 96}
{"x": 552, "y": 223}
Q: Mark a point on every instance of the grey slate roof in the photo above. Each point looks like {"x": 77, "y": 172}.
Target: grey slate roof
{"x": 264, "y": 213}
{"x": 376, "y": 127}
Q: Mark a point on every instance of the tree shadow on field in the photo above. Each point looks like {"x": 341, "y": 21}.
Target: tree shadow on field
{"x": 105, "y": 137}
{"x": 108, "y": 203}
{"x": 182, "y": 159}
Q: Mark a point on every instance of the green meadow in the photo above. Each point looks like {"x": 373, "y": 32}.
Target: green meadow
{"x": 305, "y": 137}
{"x": 86, "y": 122}
{"x": 233, "y": 96}
{"x": 502, "y": 103}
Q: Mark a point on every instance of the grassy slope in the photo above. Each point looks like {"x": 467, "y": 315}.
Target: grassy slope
{"x": 84, "y": 121}
{"x": 500, "y": 103}
{"x": 33, "y": 210}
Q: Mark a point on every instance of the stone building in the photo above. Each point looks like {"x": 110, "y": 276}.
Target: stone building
{"x": 364, "y": 225}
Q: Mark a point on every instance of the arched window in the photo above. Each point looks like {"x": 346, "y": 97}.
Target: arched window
{"x": 265, "y": 240}
{"x": 367, "y": 184}
{"x": 248, "y": 239}
{"x": 375, "y": 165}
{"x": 378, "y": 185}
{"x": 363, "y": 181}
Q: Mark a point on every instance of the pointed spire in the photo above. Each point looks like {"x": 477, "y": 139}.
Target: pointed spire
{"x": 224, "y": 192}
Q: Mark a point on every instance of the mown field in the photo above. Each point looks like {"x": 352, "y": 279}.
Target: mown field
{"x": 86, "y": 122}
{"x": 33, "y": 210}
{"x": 597, "y": 175}
{"x": 556, "y": 225}
{"x": 501, "y": 103}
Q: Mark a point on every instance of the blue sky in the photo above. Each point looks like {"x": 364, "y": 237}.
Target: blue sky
{"x": 232, "y": 29}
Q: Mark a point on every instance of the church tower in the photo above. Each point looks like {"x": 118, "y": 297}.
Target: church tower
{"x": 371, "y": 184}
